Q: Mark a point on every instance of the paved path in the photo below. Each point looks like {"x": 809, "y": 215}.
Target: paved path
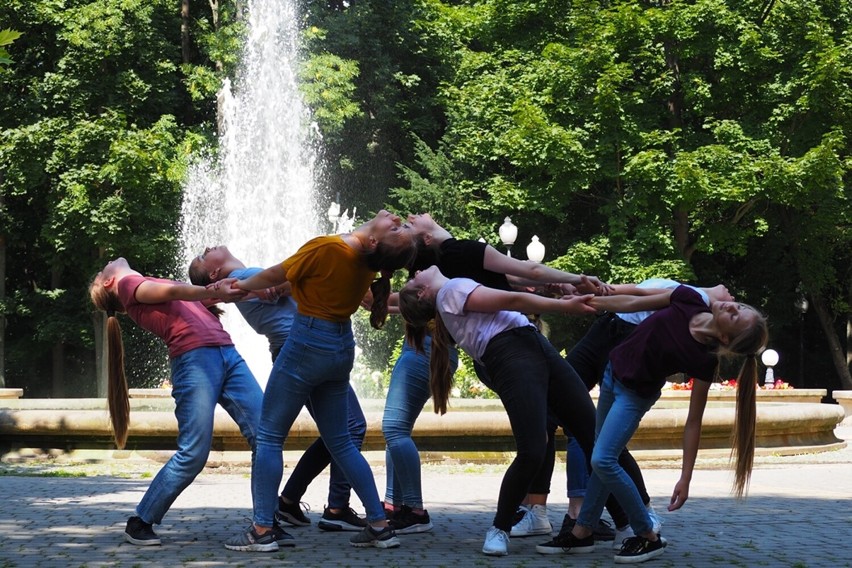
{"x": 798, "y": 514}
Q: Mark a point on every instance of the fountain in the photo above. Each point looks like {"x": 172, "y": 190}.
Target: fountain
{"x": 257, "y": 197}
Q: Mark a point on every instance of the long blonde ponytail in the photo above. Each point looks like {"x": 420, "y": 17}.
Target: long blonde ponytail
{"x": 117, "y": 393}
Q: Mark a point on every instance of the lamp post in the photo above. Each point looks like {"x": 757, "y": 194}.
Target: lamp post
{"x": 508, "y": 233}
{"x": 535, "y": 250}
{"x": 770, "y": 359}
{"x": 801, "y": 305}
{"x": 333, "y": 215}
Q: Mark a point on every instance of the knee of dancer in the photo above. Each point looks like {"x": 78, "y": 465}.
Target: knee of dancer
{"x": 604, "y": 463}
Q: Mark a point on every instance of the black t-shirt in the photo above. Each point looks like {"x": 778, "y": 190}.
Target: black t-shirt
{"x": 461, "y": 259}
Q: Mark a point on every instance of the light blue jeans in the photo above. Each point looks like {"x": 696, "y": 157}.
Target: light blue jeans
{"x": 619, "y": 412}
{"x": 315, "y": 362}
{"x": 407, "y": 393}
{"x": 201, "y": 378}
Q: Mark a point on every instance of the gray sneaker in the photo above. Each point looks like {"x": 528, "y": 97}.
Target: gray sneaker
{"x": 250, "y": 541}
{"x": 383, "y": 538}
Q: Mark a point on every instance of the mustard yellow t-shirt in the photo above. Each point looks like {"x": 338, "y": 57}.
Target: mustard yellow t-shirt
{"x": 329, "y": 278}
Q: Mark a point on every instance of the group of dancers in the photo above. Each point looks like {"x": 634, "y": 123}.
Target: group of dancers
{"x": 460, "y": 294}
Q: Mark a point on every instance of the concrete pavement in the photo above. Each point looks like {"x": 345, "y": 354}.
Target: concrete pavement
{"x": 798, "y": 514}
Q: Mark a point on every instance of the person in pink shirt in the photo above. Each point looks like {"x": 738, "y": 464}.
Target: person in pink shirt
{"x": 205, "y": 370}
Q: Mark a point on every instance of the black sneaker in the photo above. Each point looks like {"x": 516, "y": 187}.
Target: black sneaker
{"x": 384, "y": 538}
{"x": 250, "y": 541}
{"x": 639, "y": 549}
{"x": 567, "y": 543}
{"x": 292, "y": 513}
{"x": 345, "y": 520}
{"x": 603, "y": 531}
{"x": 406, "y": 521}
{"x": 140, "y": 533}
{"x": 282, "y": 537}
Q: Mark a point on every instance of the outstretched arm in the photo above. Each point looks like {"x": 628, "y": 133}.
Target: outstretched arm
{"x": 628, "y": 303}
{"x": 271, "y": 277}
{"x": 691, "y": 439}
{"x": 158, "y": 292}
{"x": 485, "y": 299}
{"x": 531, "y": 273}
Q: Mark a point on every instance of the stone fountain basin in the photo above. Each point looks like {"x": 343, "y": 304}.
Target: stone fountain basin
{"x": 471, "y": 430}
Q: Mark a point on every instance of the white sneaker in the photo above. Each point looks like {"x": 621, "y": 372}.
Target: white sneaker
{"x": 655, "y": 518}
{"x": 534, "y": 522}
{"x": 496, "y": 542}
{"x": 621, "y": 535}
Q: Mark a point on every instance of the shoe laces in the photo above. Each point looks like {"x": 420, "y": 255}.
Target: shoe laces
{"x": 634, "y": 545}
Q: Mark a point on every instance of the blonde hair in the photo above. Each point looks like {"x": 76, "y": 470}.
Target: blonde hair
{"x": 749, "y": 343}
{"x": 117, "y": 394}
{"x": 419, "y": 315}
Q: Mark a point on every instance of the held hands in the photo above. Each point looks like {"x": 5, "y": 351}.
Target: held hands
{"x": 578, "y": 305}
{"x": 679, "y": 495}
{"x": 593, "y": 285}
{"x": 226, "y": 290}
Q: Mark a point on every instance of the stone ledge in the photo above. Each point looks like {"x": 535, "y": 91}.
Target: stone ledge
{"x": 844, "y": 399}
{"x": 800, "y": 428}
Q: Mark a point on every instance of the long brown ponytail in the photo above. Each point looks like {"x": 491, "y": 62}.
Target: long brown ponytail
{"x": 749, "y": 343}
{"x": 117, "y": 393}
{"x": 388, "y": 256}
{"x": 418, "y": 312}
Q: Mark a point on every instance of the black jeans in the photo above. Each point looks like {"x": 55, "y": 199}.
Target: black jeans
{"x": 589, "y": 358}
{"x": 530, "y": 377}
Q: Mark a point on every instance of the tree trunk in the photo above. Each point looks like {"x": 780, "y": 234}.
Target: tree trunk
{"x": 184, "y": 31}
{"x": 2, "y": 312}
{"x": 827, "y": 323}
{"x": 58, "y": 352}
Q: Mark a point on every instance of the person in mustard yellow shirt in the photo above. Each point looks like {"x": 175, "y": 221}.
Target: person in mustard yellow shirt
{"x": 329, "y": 277}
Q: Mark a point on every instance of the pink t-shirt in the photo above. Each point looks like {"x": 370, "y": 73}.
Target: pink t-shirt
{"x": 182, "y": 325}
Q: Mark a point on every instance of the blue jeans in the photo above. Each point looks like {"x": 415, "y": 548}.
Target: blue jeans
{"x": 314, "y": 364}
{"x": 618, "y": 415}
{"x": 407, "y": 393}
{"x": 576, "y": 468}
{"x": 530, "y": 377}
{"x": 317, "y": 457}
{"x": 201, "y": 378}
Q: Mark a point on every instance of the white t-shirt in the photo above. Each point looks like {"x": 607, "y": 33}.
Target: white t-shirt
{"x": 660, "y": 284}
{"x": 472, "y": 330}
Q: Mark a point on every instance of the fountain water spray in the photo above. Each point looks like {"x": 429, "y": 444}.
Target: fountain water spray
{"x": 258, "y": 195}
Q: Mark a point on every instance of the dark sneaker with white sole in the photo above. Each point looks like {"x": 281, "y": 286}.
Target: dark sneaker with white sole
{"x": 345, "y": 520}
{"x": 140, "y": 533}
{"x": 639, "y": 549}
{"x": 379, "y": 538}
{"x": 567, "y": 543}
{"x": 292, "y": 513}
{"x": 406, "y": 521}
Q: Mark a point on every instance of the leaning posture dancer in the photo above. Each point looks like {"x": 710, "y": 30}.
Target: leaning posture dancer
{"x": 329, "y": 277}
{"x": 684, "y": 336}
{"x": 524, "y": 369}
{"x": 272, "y": 317}
{"x": 205, "y": 370}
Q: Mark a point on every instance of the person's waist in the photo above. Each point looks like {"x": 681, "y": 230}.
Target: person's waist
{"x": 314, "y": 322}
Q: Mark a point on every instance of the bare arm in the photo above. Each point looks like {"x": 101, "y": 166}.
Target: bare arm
{"x": 485, "y": 299}
{"x": 628, "y": 303}
{"x": 158, "y": 292}
{"x": 691, "y": 439}
{"x": 527, "y": 273}
{"x": 273, "y": 276}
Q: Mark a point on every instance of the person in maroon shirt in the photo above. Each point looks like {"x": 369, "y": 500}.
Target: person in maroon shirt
{"x": 685, "y": 336}
{"x": 205, "y": 370}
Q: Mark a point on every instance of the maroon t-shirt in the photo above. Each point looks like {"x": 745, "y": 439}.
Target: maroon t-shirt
{"x": 182, "y": 325}
{"x": 662, "y": 345}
